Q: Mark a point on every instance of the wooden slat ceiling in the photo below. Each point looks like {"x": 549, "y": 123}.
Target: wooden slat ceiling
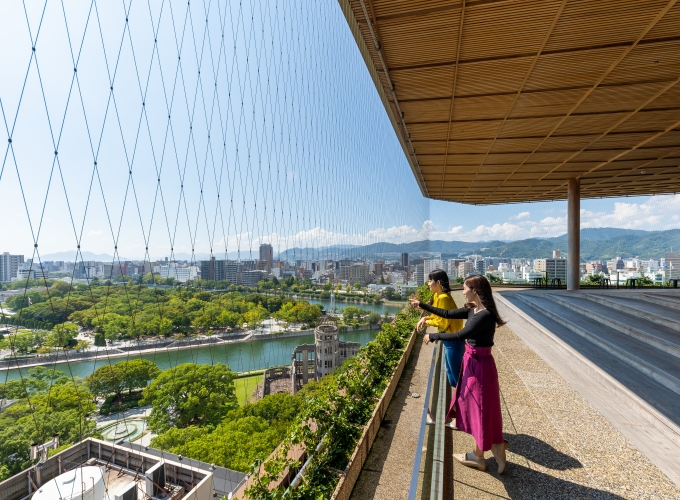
{"x": 500, "y": 101}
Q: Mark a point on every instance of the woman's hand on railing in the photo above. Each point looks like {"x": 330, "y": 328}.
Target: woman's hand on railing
{"x": 426, "y": 339}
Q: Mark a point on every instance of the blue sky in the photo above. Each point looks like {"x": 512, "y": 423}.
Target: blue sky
{"x": 228, "y": 125}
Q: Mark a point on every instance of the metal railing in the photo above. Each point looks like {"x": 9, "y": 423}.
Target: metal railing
{"x": 439, "y": 409}
{"x": 427, "y": 476}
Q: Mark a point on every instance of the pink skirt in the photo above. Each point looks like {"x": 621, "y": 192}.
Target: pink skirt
{"x": 477, "y": 402}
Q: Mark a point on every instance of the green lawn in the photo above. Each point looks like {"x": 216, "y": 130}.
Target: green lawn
{"x": 245, "y": 387}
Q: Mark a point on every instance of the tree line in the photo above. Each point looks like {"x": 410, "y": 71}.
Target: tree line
{"x": 134, "y": 311}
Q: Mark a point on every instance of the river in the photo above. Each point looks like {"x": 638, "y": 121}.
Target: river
{"x": 380, "y": 309}
{"x": 240, "y": 356}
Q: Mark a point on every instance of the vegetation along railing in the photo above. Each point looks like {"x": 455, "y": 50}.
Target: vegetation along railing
{"x": 347, "y": 414}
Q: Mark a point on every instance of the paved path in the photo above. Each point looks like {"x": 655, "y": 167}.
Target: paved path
{"x": 560, "y": 446}
{"x": 387, "y": 471}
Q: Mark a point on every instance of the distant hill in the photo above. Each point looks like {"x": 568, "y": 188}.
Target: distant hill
{"x": 596, "y": 243}
{"x": 377, "y": 249}
{"x": 70, "y": 256}
{"x": 605, "y": 243}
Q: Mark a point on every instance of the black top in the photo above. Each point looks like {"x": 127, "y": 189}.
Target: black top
{"x": 478, "y": 330}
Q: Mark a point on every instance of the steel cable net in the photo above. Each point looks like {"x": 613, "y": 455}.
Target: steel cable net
{"x": 144, "y": 140}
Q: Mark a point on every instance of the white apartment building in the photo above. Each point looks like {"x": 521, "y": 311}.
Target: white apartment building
{"x": 9, "y": 266}
{"x": 529, "y": 274}
{"x": 180, "y": 273}
{"x": 405, "y": 289}
{"x": 650, "y": 266}
{"x": 420, "y": 276}
{"x": 430, "y": 265}
{"x": 633, "y": 263}
{"x": 395, "y": 277}
{"x": 466, "y": 268}
{"x": 552, "y": 268}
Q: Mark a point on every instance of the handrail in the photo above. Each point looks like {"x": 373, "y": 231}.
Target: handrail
{"x": 415, "y": 473}
{"x": 439, "y": 445}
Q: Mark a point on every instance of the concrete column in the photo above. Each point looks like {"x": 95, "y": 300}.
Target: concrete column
{"x": 573, "y": 234}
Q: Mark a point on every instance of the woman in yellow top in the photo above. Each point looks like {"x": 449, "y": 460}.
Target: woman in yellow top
{"x": 438, "y": 281}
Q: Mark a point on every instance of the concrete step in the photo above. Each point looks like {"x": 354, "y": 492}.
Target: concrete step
{"x": 661, "y": 299}
{"x": 646, "y": 412}
{"x": 657, "y": 395}
{"x": 641, "y": 329}
{"x": 657, "y": 364}
{"x": 656, "y": 313}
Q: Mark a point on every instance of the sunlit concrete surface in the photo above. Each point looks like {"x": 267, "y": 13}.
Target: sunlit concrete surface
{"x": 560, "y": 445}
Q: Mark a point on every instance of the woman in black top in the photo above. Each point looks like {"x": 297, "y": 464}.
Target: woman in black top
{"x": 477, "y": 404}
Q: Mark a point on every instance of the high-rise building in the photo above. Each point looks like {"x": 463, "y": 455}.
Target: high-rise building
{"x": 672, "y": 265}
{"x": 453, "y": 268}
{"x": 420, "y": 274}
{"x": 208, "y": 269}
{"x": 358, "y": 273}
{"x": 267, "y": 256}
{"x": 220, "y": 270}
{"x": 466, "y": 268}
{"x": 404, "y": 260}
{"x": 617, "y": 264}
{"x": 266, "y": 252}
{"x": 430, "y": 265}
{"x": 250, "y": 278}
{"x": 9, "y": 266}
{"x": 552, "y": 268}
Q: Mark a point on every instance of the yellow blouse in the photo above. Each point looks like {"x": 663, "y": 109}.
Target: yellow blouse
{"x": 445, "y": 301}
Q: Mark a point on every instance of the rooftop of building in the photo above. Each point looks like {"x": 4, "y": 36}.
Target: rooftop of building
{"x": 122, "y": 465}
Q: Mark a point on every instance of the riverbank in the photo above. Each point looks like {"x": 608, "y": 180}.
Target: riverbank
{"x": 256, "y": 355}
{"x": 151, "y": 348}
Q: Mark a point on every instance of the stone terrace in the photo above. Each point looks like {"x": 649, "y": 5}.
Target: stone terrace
{"x": 560, "y": 445}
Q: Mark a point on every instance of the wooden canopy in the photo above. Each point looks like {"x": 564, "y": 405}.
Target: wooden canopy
{"x": 501, "y": 101}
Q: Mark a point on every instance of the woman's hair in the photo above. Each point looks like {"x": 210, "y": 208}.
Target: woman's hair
{"x": 481, "y": 285}
{"x": 442, "y": 277}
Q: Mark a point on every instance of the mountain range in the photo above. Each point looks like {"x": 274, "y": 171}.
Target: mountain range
{"x": 596, "y": 243}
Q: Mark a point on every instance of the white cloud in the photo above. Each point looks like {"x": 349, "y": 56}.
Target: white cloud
{"x": 521, "y": 215}
{"x": 656, "y": 213}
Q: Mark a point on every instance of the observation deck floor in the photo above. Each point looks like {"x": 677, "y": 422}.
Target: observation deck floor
{"x": 560, "y": 446}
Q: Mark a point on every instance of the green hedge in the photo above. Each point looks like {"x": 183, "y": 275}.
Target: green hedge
{"x": 340, "y": 412}
{"x": 28, "y": 323}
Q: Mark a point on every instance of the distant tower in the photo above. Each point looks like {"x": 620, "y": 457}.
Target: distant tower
{"x": 327, "y": 346}
{"x": 404, "y": 260}
{"x": 556, "y": 254}
{"x": 332, "y": 305}
{"x": 267, "y": 256}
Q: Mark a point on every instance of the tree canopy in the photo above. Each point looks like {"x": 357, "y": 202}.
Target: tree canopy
{"x": 190, "y": 394}
{"x": 126, "y": 375}
{"x": 48, "y": 403}
{"x": 244, "y": 435}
